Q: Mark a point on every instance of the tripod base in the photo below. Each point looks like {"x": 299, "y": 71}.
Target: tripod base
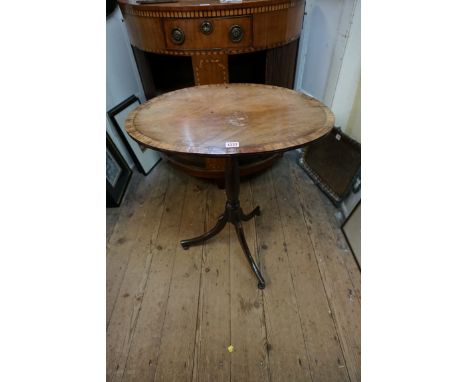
{"x": 235, "y": 216}
{"x": 232, "y": 214}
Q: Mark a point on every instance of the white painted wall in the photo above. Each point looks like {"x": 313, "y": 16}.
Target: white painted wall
{"x": 323, "y": 42}
{"x": 122, "y": 78}
{"x": 342, "y": 95}
{"x": 330, "y": 55}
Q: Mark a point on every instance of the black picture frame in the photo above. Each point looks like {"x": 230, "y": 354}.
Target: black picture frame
{"x": 348, "y": 241}
{"x": 118, "y": 174}
{"x": 333, "y": 162}
{"x": 110, "y": 7}
{"x": 145, "y": 158}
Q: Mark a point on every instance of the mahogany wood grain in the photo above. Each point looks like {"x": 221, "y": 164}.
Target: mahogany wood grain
{"x": 146, "y": 76}
{"x": 218, "y": 38}
{"x": 266, "y": 24}
{"x": 201, "y": 119}
{"x": 283, "y": 57}
{"x": 214, "y": 166}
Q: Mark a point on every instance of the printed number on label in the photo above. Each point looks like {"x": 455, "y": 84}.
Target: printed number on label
{"x": 232, "y": 144}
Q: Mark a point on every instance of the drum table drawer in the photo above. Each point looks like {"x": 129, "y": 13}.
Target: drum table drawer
{"x": 208, "y": 33}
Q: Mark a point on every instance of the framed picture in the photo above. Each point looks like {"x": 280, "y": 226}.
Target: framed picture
{"x": 118, "y": 174}
{"x": 144, "y": 158}
{"x": 352, "y": 232}
{"x": 333, "y": 162}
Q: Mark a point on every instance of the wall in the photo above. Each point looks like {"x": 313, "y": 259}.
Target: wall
{"x": 122, "y": 78}
{"x": 326, "y": 28}
{"x": 353, "y": 127}
{"x": 329, "y": 66}
{"x": 342, "y": 92}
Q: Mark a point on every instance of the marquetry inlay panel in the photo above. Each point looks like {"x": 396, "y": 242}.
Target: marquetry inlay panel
{"x": 210, "y": 70}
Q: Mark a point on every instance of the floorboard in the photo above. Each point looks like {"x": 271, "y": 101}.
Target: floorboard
{"x": 173, "y": 313}
{"x": 345, "y": 306}
{"x": 123, "y": 239}
{"x": 213, "y": 331}
{"x": 144, "y": 349}
{"x": 249, "y": 360}
{"x": 287, "y": 353}
{"x": 326, "y": 358}
{"x": 176, "y": 356}
{"x": 127, "y": 305}
{"x": 126, "y": 206}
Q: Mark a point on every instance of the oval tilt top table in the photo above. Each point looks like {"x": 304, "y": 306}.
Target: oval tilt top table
{"x": 228, "y": 121}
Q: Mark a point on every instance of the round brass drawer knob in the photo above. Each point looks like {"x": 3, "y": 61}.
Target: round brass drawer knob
{"x": 206, "y": 27}
{"x": 236, "y": 33}
{"x": 177, "y": 36}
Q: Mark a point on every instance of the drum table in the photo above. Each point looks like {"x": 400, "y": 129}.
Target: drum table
{"x": 229, "y": 120}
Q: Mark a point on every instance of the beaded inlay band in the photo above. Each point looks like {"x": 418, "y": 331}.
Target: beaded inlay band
{"x": 130, "y": 10}
{"x": 187, "y": 52}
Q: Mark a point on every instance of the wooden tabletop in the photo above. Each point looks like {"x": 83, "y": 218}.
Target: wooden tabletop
{"x": 214, "y": 119}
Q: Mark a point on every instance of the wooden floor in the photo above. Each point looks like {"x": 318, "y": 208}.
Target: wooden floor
{"x": 171, "y": 314}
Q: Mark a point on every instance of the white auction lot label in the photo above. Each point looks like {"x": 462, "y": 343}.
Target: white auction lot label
{"x": 232, "y": 144}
